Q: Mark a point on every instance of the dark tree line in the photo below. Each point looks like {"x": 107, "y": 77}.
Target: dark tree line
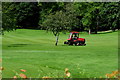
{"x": 59, "y": 16}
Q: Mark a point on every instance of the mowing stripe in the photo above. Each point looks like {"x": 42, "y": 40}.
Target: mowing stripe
{"x": 28, "y": 51}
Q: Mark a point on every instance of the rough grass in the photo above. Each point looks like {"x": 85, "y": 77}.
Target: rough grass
{"x": 34, "y": 51}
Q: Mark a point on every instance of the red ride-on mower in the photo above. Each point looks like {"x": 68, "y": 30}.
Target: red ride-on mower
{"x": 74, "y": 39}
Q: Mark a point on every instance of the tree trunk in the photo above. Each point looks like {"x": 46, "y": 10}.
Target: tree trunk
{"x": 113, "y": 30}
{"x": 97, "y": 25}
{"x": 89, "y": 31}
{"x": 57, "y": 40}
{"x": 56, "y": 34}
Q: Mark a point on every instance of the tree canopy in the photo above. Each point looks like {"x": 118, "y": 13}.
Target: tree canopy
{"x": 56, "y": 23}
{"x": 78, "y": 16}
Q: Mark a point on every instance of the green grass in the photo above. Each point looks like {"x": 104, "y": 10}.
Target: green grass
{"x": 34, "y": 51}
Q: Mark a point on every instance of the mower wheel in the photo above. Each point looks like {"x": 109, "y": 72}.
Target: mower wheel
{"x": 83, "y": 44}
{"x": 65, "y": 42}
{"x": 70, "y": 43}
{"x": 77, "y": 43}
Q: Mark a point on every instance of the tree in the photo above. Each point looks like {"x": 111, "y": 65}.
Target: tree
{"x": 26, "y": 13}
{"x": 71, "y": 11}
{"x": 8, "y": 20}
{"x": 59, "y": 21}
{"x": 0, "y": 18}
{"x": 21, "y": 14}
{"x": 91, "y": 17}
{"x": 110, "y": 13}
{"x": 47, "y": 8}
{"x": 56, "y": 23}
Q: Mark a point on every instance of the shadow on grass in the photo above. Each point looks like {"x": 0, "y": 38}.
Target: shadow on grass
{"x": 71, "y": 45}
{"x": 17, "y": 45}
{"x": 66, "y": 45}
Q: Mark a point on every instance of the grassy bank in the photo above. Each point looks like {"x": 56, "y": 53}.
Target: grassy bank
{"x": 34, "y": 51}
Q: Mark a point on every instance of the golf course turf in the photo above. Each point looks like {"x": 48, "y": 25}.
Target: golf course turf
{"x": 35, "y": 51}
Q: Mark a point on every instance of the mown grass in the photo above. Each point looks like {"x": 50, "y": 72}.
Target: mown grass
{"x": 34, "y": 51}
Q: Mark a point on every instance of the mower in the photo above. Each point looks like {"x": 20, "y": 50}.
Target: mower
{"x": 74, "y": 39}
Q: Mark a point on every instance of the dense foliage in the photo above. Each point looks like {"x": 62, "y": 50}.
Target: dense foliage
{"x": 0, "y": 17}
{"x": 77, "y": 16}
{"x": 8, "y": 17}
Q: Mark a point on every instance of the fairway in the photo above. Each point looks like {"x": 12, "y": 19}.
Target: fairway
{"x": 34, "y": 51}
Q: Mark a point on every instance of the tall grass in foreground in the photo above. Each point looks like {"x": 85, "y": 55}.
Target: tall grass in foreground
{"x": 66, "y": 74}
